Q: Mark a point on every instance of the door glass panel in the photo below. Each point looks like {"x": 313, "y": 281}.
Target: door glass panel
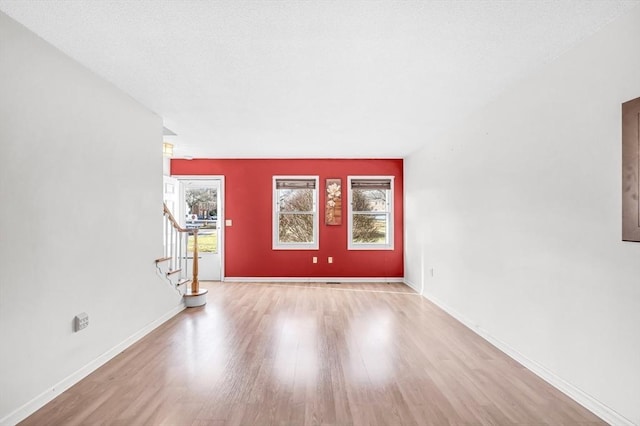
{"x": 202, "y": 213}
{"x": 207, "y": 241}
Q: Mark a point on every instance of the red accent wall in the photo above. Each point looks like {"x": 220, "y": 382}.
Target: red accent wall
{"x": 248, "y": 203}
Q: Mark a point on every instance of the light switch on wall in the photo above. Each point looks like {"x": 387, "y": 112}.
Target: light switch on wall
{"x": 228, "y": 222}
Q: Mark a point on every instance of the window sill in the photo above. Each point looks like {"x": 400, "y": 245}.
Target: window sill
{"x": 295, "y": 247}
{"x": 369, "y": 247}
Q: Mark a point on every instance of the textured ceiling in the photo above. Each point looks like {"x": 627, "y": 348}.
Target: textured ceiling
{"x": 312, "y": 78}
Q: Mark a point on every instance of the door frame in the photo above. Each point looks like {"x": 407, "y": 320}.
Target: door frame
{"x": 221, "y": 212}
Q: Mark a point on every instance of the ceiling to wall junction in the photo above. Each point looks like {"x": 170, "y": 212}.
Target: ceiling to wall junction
{"x": 312, "y": 78}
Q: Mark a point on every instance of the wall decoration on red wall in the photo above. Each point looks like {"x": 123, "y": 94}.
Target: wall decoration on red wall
{"x": 333, "y": 205}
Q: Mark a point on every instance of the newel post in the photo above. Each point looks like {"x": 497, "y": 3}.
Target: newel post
{"x": 196, "y": 296}
{"x": 195, "y": 285}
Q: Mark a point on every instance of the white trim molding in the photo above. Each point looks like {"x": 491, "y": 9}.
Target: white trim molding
{"x": 221, "y": 212}
{"x": 327, "y": 280}
{"x": 48, "y": 395}
{"x": 275, "y": 212}
{"x": 388, "y": 213}
{"x": 587, "y": 401}
{"x": 413, "y": 286}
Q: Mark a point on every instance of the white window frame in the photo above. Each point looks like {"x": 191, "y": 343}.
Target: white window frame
{"x": 276, "y": 244}
{"x": 351, "y": 245}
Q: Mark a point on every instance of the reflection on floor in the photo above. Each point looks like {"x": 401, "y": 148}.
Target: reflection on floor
{"x": 312, "y": 354}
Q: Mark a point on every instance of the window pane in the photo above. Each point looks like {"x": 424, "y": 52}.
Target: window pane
{"x": 202, "y": 203}
{"x": 369, "y": 228}
{"x": 295, "y": 200}
{"x": 295, "y": 228}
{"x": 207, "y": 241}
{"x": 369, "y": 200}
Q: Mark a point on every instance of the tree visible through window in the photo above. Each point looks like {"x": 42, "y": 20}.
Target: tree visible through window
{"x": 370, "y": 213}
{"x": 202, "y": 208}
{"x": 295, "y": 215}
{"x": 202, "y": 202}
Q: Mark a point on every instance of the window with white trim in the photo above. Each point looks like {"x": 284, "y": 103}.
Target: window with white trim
{"x": 370, "y": 212}
{"x": 295, "y": 212}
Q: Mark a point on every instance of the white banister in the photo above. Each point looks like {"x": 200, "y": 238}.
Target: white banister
{"x": 176, "y": 251}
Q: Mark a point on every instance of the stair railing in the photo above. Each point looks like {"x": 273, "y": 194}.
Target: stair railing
{"x": 176, "y": 250}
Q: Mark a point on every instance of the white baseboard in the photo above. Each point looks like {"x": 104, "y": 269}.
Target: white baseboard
{"x": 312, "y": 280}
{"x": 587, "y": 401}
{"x": 39, "y": 401}
{"x": 413, "y": 286}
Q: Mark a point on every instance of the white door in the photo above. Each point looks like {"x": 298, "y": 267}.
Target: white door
{"x": 171, "y": 193}
{"x": 171, "y": 198}
{"x": 200, "y": 207}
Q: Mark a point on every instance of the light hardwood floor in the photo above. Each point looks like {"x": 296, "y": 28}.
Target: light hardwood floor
{"x": 312, "y": 354}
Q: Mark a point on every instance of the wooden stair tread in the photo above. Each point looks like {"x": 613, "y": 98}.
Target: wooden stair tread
{"x": 175, "y": 271}
{"x": 163, "y": 259}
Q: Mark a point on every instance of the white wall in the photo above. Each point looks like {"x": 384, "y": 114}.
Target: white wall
{"x": 518, "y": 213}
{"x": 80, "y": 221}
